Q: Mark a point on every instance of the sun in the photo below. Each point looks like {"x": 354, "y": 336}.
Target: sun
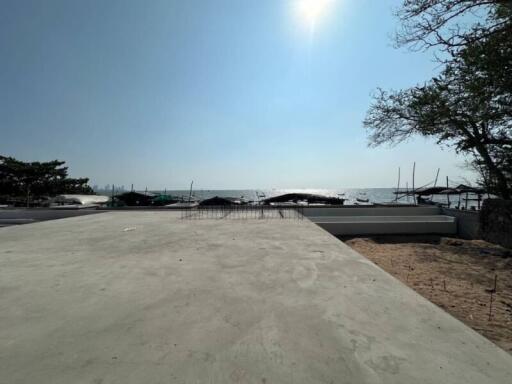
{"x": 311, "y": 11}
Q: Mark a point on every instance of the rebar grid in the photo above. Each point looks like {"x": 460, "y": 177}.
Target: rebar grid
{"x": 242, "y": 212}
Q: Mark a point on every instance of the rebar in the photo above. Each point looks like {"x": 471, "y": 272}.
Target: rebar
{"x": 242, "y": 212}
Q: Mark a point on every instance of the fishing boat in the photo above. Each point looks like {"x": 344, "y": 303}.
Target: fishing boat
{"x": 183, "y": 204}
{"x": 74, "y": 201}
{"x": 222, "y": 201}
{"x": 301, "y": 199}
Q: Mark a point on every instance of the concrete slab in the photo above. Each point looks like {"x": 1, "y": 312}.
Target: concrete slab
{"x": 144, "y": 297}
{"x": 17, "y": 216}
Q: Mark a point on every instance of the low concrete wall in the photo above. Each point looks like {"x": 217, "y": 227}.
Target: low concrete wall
{"x": 387, "y": 225}
{"x": 370, "y": 211}
{"x": 496, "y": 222}
{"x": 375, "y": 220}
{"x": 468, "y": 222}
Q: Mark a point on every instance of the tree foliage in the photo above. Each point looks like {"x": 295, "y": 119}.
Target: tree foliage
{"x": 450, "y": 24}
{"x": 469, "y": 104}
{"x": 36, "y": 179}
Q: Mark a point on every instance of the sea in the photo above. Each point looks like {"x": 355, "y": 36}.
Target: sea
{"x": 351, "y": 195}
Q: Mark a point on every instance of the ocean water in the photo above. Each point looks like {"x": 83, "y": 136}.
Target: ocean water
{"x": 374, "y": 195}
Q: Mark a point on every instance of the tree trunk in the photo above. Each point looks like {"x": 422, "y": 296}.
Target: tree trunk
{"x": 502, "y": 187}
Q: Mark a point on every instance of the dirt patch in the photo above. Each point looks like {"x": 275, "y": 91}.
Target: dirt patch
{"x": 457, "y": 275}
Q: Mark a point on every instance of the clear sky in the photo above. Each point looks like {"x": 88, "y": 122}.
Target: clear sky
{"x": 228, "y": 93}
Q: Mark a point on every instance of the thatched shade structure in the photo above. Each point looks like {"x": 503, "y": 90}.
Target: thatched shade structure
{"x": 309, "y": 198}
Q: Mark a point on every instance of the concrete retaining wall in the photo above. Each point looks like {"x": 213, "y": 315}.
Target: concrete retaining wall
{"x": 370, "y": 211}
{"x": 468, "y": 222}
{"x": 343, "y": 221}
{"x": 387, "y": 225}
{"x": 496, "y": 222}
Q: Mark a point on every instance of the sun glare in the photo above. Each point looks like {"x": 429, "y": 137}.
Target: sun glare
{"x": 311, "y": 11}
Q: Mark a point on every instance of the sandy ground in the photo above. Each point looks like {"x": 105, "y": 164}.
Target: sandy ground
{"x": 457, "y": 275}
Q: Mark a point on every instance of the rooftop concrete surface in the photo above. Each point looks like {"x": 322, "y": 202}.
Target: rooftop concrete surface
{"x": 145, "y": 297}
{"x": 15, "y": 216}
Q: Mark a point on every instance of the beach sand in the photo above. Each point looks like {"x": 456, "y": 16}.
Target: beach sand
{"x": 457, "y": 275}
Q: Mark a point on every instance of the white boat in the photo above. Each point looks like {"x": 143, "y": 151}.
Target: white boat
{"x": 74, "y": 206}
{"x": 191, "y": 204}
{"x": 78, "y": 201}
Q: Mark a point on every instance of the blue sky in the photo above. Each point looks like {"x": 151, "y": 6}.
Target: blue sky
{"x": 229, "y": 93}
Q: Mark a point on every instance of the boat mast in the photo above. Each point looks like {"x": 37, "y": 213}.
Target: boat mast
{"x": 413, "y": 190}
{"x": 190, "y": 193}
{"x": 398, "y": 185}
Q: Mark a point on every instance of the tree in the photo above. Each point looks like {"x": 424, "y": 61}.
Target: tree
{"x": 450, "y": 24}
{"x": 469, "y": 105}
{"x": 27, "y": 179}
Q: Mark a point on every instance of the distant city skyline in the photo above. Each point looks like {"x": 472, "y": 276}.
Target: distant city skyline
{"x": 232, "y": 94}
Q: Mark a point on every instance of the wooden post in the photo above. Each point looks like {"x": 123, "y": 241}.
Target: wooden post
{"x": 398, "y": 186}
{"x": 413, "y": 190}
{"x": 190, "y": 193}
{"x": 492, "y": 292}
{"x": 435, "y": 182}
{"x": 437, "y": 175}
{"x": 447, "y": 193}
